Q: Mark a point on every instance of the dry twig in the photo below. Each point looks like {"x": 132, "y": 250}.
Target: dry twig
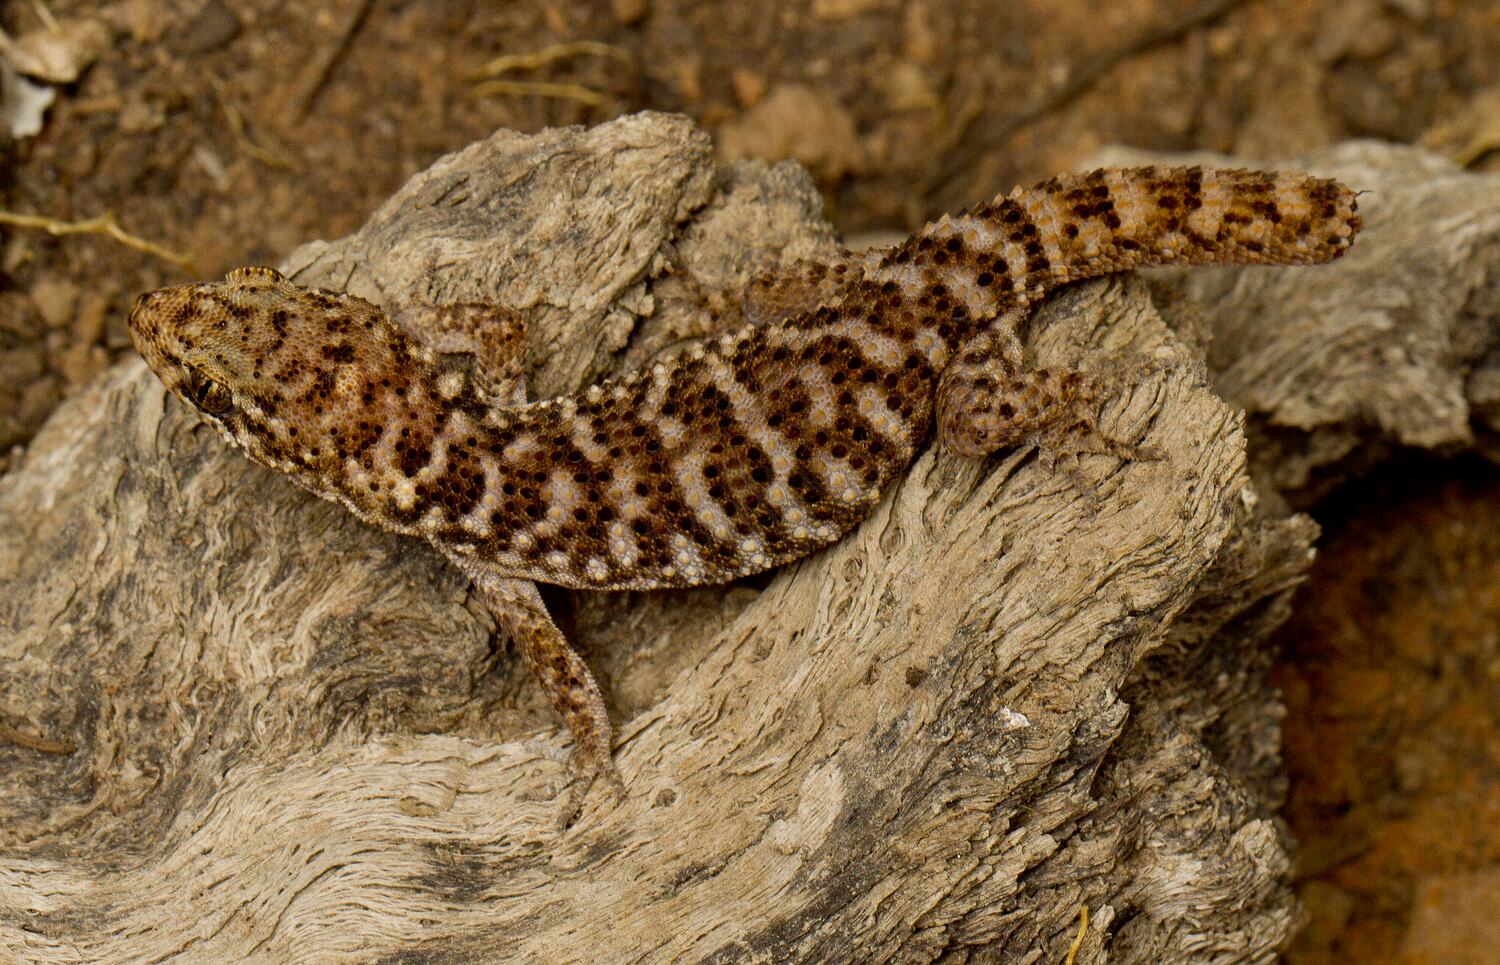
{"x": 1083, "y": 929}
{"x": 104, "y": 224}
{"x": 490, "y": 82}
{"x": 46, "y": 745}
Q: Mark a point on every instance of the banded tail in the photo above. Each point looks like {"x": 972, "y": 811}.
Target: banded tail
{"x": 1071, "y": 227}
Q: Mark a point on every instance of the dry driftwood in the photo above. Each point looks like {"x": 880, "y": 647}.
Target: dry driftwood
{"x": 1000, "y": 701}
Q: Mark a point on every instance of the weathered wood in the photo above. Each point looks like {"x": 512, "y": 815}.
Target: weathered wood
{"x": 1000, "y": 700}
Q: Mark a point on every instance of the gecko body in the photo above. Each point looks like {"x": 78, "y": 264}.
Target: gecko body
{"x": 734, "y": 456}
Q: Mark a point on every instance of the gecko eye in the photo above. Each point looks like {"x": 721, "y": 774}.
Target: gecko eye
{"x": 210, "y": 396}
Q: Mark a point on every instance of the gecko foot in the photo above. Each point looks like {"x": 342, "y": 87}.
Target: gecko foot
{"x": 1060, "y": 448}
{"x": 588, "y": 775}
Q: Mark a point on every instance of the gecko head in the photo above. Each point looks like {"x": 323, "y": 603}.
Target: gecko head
{"x": 268, "y": 363}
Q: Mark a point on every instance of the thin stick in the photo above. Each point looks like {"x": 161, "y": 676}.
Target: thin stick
{"x": 540, "y": 88}
{"x": 1083, "y": 929}
{"x": 44, "y": 744}
{"x": 241, "y": 136}
{"x": 45, "y": 16}
{"x": 532, "y": 61}
{"x": 104, "y": 224}
{"x": 323, "y": 66}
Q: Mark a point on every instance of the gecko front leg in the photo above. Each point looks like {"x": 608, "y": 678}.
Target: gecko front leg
{"x": 496, "y": 338}
{"x": 570, "y": 686}
{"x": 788, "y": 291}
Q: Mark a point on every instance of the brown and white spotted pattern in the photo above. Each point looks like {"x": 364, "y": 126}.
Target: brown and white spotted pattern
{"x": 730, "y": 458}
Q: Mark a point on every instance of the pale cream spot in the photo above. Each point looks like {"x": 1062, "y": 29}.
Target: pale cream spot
{"x": 1042, "y": 207}
{"x": 596, "y": 569}
{"x": 450, "y": 384}
{"x": 871, "y": 404}
{"x": 622, "y": 547}
{"x": 520, "y": 447}
{"x": 883, "y": 349}
{"x": 405, "y": 493}
{"x": 689, "y": 563}
{"x": 459, "y": 424}
{"x": 1134, "y": 204}
{"x": 354, "y": 474}
{"x": 476, "y": 525}
{"x": 823, "y": 399}
{"x": 563, "y": 495}
{"x": 431, "y": 521}
{"x": 932, "y": 347}
{"x": 672, "y": 431}
{"x": 478, "y": 519}
{"x": 583, "y": 438}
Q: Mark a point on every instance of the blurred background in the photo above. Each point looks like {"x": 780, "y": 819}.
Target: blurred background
{"x": 147, "y": 142}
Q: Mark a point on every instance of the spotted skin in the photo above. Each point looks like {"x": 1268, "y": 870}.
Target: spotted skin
{"x": 732, "y": 457}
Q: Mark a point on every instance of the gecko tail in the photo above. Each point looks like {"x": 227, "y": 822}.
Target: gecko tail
{"x": 1032, "y": 240}
{"x": 1113, "y": 220}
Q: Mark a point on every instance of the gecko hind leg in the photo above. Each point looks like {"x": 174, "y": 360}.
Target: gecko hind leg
{"x": 574, "y": 693}
{"x": 790, "y": 290}
{"x": 977, "y": 406}
{"x": 987, "y": 402}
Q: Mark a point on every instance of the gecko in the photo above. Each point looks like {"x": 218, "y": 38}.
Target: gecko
{"x": 736, "y": 455}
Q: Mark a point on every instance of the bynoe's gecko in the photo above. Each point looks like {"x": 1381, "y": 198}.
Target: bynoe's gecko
{"x": 733, "y": 456}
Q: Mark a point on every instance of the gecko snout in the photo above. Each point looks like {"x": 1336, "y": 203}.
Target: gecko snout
{"x": 141, "y": 311}
{"x": 154, "y": 311}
